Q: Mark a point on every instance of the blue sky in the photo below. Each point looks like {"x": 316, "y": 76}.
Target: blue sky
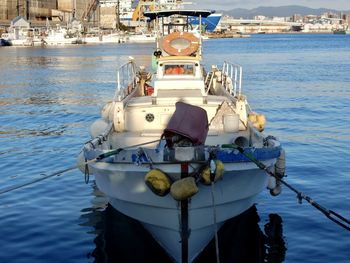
{"x": 231, "y": 4}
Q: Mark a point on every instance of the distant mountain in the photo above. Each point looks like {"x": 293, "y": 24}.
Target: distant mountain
{"x": 278, "y": 11}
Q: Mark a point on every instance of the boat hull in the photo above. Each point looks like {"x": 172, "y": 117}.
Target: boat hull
{"x": 209, "y": 22}
{"x": 161, "y": 216}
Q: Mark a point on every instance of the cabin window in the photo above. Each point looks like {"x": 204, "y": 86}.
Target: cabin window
{"x": 179, "y": 69}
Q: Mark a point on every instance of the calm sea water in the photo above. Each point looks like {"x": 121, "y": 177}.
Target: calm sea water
{"x": 50, "y": 96}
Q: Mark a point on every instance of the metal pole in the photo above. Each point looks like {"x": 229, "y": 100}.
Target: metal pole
{"x": 17, "y": 7}
{"x": 236, "y": 72}
{"x": 240, "y": 81}
{"x": 117, "y": 16}
{"x": 184, "y": 219}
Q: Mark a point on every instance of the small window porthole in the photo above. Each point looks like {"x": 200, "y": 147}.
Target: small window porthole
{"x": 149, "y": 117}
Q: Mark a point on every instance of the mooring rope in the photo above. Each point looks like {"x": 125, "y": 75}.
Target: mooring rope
{"x": 116, "y": 151}
{"x": 17, "y": 186}
{"x": 212, "y": 179}
{"x": 335, "y": 217}
{"x": 330, "y": 214}
{"x": 98, "y": 158}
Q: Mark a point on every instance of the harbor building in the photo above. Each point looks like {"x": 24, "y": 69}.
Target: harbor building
{"x": 109, "y": 14}
{"x": 34, "y": 9}
{"x": 55, "y": 10}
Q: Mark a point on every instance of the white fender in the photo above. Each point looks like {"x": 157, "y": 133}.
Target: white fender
{"x": 107, "y": 112}
{"x": 81, "y": 162}
{"x": 271, "y": 184}
{"x": 98, "y": 127}
{"x": 280, "y": 166}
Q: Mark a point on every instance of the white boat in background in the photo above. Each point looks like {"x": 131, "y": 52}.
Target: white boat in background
{"x": 105, "y": 38}
{"x": 60, "y": 36}
{"x": 343, "y": 31}
{"x": 209, "y": 23}
{"x": 23, "y": 37}
{"x": 171, "y": 147}
{"x": 142, "y": 37}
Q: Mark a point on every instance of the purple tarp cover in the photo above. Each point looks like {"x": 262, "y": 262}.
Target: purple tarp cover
{"x": 189, "y": 121}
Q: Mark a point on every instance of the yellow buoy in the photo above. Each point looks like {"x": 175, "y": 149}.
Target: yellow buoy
{"x": 158, "y": 182}
{"x": 258, "y": 120}
{"x": 183, "y": 188}
{"x": 219, "y": 171}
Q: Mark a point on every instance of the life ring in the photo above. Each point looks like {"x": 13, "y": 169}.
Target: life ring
{"x": 192, "y": 44}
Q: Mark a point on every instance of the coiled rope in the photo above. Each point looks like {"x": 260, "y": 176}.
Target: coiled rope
{"x": 333, "y": 216}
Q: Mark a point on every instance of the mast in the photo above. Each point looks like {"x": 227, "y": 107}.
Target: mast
{"x": 27, "y": 10}
{"x": 17, "y": 7}
{"x": 74, "y": 9}
{"x": 117, "y": 13}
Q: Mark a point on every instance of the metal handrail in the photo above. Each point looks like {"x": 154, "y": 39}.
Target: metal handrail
{"x": 232, "y": 78}
{"x": 126, "y": 80}
{"x": 208, "y": 85}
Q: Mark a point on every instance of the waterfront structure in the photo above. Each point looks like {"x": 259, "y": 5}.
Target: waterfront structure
{"x": 251, "y": 26}
{"x": 128, "y": 14}
{"x": 40, "y": 10}
{"x": 115, "y": 12}
{"x": 33, "y": 9}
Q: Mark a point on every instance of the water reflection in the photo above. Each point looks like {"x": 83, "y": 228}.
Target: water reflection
{"x": 41, "y": 99}
{"x": 6, "y": 132}
{"x": 119, "y": 238}
{"x": 34, "y": 61}
{"x": 276, "y": 249}
{"x": 241, "y": 240}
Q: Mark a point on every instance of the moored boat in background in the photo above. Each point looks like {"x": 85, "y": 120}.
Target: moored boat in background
{"x": 209, "y": 23}
{"x": 5, "y": 42}
{"x": 142, "y": 37}
{"x": 345, "y": 31}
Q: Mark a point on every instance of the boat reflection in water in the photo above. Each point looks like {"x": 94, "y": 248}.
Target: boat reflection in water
{"x": 120, "y": 238}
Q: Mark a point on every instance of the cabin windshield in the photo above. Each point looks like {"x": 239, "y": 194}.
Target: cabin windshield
{"x": 179, "y": 69}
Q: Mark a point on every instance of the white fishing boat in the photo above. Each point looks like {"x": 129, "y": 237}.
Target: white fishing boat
{"x": 23, "y": 37}
{"x": 173, "y": 148}
{"x": 142, "y": 37}
{"x": 59, "y": 36}
{"x": 111, "y": 38}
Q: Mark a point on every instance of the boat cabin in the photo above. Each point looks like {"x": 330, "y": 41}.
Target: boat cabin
{"x": 178, "y": 54}
{"x": 178, "y": 74}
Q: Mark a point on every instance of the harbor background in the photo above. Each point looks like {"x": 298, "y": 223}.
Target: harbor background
{"x": 38, "y": 21}
{"x": 50, "y": 96}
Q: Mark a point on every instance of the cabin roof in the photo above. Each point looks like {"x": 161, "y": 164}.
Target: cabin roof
{"x": 178, "y": 58}
{"x": 165, "y": 13}
{"x": 20, "y": 21}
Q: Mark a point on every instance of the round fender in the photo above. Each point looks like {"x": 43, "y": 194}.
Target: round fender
{"x": 180, "y": 44}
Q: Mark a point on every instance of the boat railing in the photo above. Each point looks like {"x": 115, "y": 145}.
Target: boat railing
{"x": 232, "y": 78}
{"x": 126, "y": 76}
{"x": 209, "y": 79}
